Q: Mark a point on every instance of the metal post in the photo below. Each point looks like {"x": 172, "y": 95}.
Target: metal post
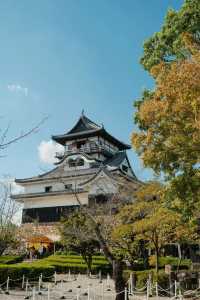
{"x": 150, "y": 285}
{"x": 102, "y": 291}
{"x": 156, "y": 289}
{"x": 179, "y": 294}
{"x": 125, "y": 293}
{"x": 7, "y": 285}
{"x": 55, "y": 278}
{"x": 148, "y": 289}
{"x": 88, "y": 293}
{"x": 175, "y": 289}
{"x": 23, "y": 281}
{"x": 26, "y": 289}
{"x": 69, "y": 275}
{"x": 131, "y": 283}
{"x": 48, "y": 292}
{"x": 100, "y": 275}
{"x": 41, "y": 277}
{"x": 39, "y": 286}
{"x": 33, "y": 293}
{"x": 129, "y": 286}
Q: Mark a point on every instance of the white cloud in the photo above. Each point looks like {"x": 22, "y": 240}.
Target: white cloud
{"x": 17, "y": 88}
{"x": 47, "y": 151}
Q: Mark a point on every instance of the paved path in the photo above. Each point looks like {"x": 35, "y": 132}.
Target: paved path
{"x": 72, "y": 290}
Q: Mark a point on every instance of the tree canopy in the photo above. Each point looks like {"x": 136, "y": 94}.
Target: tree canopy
{"x": 169, "y": 122}
{"x": 166, "y": 45}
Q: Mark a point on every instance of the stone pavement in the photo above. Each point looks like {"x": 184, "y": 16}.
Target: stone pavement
{"x": 83, "y": 288}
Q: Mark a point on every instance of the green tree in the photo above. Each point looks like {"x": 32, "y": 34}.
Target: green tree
{"x": 166, "y": 45}
{"x": 77, "y": 235}
{"x": 149, "y": 220}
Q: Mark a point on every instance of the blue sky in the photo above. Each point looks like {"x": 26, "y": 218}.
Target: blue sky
{"x": 59, "y": 57}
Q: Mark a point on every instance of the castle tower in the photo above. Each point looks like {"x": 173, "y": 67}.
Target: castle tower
{"x": 92, "y": 165}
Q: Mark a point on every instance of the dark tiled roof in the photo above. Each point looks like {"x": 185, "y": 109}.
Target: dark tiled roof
{"x": 116, "y": 160}
{"x": 86, "y": 128}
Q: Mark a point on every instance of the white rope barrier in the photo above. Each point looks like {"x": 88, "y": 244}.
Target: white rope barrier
{"x": 31, "y": 290}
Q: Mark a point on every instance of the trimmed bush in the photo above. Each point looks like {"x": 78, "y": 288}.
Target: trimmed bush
{"x": 76, "y": 264}
{"x": 47, "y": 266}
{"x": 6, "y": 259}
{"x": 31, "y": 271}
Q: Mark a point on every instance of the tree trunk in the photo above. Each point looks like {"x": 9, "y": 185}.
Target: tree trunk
{"x": 118, "y": 279}
{"x": 88, "y": 261}
{"x": 157, "y": 260}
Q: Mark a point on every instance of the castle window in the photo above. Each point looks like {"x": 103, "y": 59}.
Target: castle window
{"x": 80, "y": 144}
{"x": 48, "y": 189}
{"x": 125, "y": 168}
{"x": 68, "y": 187}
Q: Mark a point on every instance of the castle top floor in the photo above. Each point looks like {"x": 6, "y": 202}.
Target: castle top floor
{"x": 88, "y": 137}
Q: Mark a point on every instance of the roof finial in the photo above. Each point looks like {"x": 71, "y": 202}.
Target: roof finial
{"x": 82, "y": 113}
{"x": 102, "y": 125}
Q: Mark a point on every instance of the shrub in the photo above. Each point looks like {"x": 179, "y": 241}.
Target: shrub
{"x": 141, "y": 277}
{"x": 170, "y": 260}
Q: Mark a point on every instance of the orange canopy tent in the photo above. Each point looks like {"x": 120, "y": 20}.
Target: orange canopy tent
{"x": 37, "y": 240}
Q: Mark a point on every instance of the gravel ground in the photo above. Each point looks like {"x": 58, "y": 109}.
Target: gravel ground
{"x": 71, "y": 289}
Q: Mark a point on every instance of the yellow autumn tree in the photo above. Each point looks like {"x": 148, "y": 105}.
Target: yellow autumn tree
{"x": 169, "y": 121}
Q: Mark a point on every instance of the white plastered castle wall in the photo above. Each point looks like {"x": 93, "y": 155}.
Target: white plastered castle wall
{"x": 56, "y": 200}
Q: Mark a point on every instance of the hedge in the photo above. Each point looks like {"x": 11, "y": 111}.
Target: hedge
{"x": 47, "y": 266}
{"x": 30, "y": 270}
{"x": 6, "y": 259}
{"x": 76, "y": 264}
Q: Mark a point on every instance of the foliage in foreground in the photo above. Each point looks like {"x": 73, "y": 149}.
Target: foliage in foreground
{"x": 169, "y": 121}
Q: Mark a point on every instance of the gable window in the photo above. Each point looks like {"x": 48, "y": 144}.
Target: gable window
{"x": 72, "y": 162}
{"x": 80, "y": 162}
{"x": 125, "y": 168}
{"x": 48, "y": 189}
{"x": 75, "y": 162}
